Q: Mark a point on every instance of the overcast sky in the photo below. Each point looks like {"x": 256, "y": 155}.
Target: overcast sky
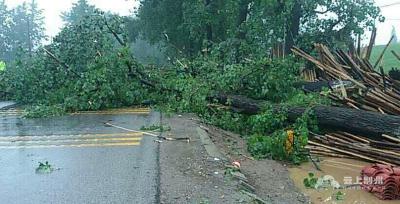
{"x": 53, "y": 8}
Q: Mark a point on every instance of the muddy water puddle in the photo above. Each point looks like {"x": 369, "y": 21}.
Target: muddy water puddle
{"x": 341, "y": 170}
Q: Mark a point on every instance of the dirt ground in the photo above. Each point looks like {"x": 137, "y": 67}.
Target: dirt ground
{"x": 189, "y": 175}
{"x": 270, "y": 178}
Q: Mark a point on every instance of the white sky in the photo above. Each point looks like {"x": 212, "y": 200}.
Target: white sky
{"x": 53, "y": 9}
{"x": 392, "y": 14}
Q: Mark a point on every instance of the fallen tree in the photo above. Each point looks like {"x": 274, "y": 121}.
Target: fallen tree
{"x": 369, "y": 124}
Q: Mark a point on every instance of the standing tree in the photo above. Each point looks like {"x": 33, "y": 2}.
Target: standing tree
{"x": 5, "y": 32}
{"x": 36, "y": 30}
{"x": 25, "y": 30}
{"x": 186, "y": 24}
{"x": 79, "y": 11}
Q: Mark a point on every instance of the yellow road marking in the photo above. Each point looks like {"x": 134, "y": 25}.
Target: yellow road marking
{"x": 78, "y": 140}
{"x": 116, "y": 111}
{"x": 15, "y": 110}
{"x": 74, "y": 145}
{"x": 111, "y": 113}
{"x": 12, "y": 112}
{"x": 60, "y": 137}
{"x": 70, "y": 141}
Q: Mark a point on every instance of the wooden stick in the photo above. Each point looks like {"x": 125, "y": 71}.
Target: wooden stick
{"x": 363, "y": 140}
{"x": 313, "y": 152}
{"x": 350, "y": 153}
{"x": 393, "y": 139}
{"x": 383, "y": 52}
{"x": 60, "y": 62}
{"x": 371, "y": 44}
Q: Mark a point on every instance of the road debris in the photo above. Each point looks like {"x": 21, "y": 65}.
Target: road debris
{"x": 310, "y": 181}
{"x": 339, "y": 196}
{"x": 255, "y": 197}
{"x": 155, "y": 128}
{"x": 44, "y": 168}
{"x": 160, "y": 137}
{"x": 324, "y": 182}
{"x": 236, "y": 164}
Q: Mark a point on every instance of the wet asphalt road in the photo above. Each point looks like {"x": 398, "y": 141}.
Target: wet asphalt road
{"x": 93, "y": 163}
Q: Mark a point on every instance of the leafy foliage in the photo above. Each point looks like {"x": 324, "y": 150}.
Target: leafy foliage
{"x": 85, "y": 70}
{"x": 160, "y": 128}
{"x": 44, "y": 168}
{"x": 310, "y": 181}
{"x": 40, "y": 111}
{"x": 269, "y": 121}
{"x": 3, "y": 82}
{"x": 2, "y": 66}
{"x": 284, "y": 144}
{"x": 339, "y": 196}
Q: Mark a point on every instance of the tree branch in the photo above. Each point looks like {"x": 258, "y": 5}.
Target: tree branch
{"x": 60, "y": 62}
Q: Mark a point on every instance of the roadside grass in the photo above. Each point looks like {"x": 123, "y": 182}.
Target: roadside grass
{"x": 389, "y": 60}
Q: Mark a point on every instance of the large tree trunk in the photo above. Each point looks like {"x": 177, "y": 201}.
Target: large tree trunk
{"x": 209, "y": 31}
{"x": 294, "y": 26}
{"x": 241, "y": 32}
{"x": 242, "y": 17}
{"x": 369, "y": 124}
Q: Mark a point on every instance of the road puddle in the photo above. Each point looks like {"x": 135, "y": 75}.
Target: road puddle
{"x": 341, "y": 170}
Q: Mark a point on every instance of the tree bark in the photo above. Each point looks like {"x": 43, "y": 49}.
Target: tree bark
{"x": 243, "y": 12}
{"x": 294, "y": 26}
{"x": 209, "y": 32}
{"x": 368, "y": 124}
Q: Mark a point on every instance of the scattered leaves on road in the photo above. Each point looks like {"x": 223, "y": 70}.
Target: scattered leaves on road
{"x": 44, "y": 168}
{"x": 159, "y": 128}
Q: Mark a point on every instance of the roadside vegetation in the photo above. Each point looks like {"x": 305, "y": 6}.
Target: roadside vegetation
{"x": 208, "y": 47}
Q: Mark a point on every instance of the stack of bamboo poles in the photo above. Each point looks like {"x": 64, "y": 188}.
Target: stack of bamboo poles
{"x": 309, "y": 75}
{"x": 371, "y": 90}
{"x": 346, "y": 145}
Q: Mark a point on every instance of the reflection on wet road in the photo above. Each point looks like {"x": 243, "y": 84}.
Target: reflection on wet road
{"x": 94, "y": 163}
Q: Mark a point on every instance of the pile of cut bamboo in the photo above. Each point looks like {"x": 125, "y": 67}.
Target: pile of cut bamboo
{"x": 371, "y": 90}
{"x": 346, "y": 145}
